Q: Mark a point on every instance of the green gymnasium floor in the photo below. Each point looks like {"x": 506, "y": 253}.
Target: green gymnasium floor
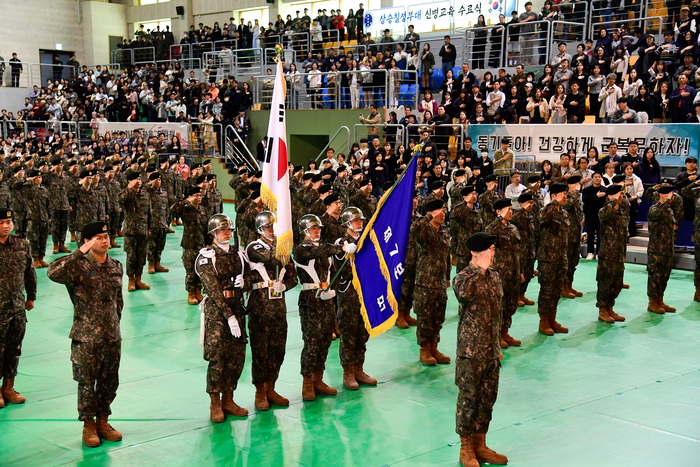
{"x": 603, "y": 395}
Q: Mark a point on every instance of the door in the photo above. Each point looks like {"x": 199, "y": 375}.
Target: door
{"x": 54, "y": 65}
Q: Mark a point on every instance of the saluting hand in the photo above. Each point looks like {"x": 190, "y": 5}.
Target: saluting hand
{"x": 87, "y": 245}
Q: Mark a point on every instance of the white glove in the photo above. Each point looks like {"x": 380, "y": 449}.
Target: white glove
{"x": 350, "y": 248}
{"x": 327, "y": 294}
{"x": 235, "y": 328}
{"x": 279, "y": 287}
{"x": 239, "y": 281}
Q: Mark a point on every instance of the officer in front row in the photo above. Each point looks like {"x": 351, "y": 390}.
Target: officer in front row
{"x": 479, "y": 290}
{"x": 94, "y": 283}
{"x": 222, "y": 269}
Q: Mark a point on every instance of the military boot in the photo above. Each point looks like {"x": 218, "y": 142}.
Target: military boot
{"x": 439, "y": 356}
{"x": 409, "y": 319}
{"x": 504, "y": 344}
{"x": 261, "y": 402}
{"x": 545, "y": 327}
{"x": 401, "y": 321}
{"x": 556, "y": 327}
{"x": 55, "y": 248}
{"x": 160, "y": 268}
{"x": 654, "y": 306}
{"x": 132, "y": 284}
{"x": 362, "y": 377}
{"x": 151, "y": 267}
{"x": 566, "y": 293}
{"x": 105, "y": 430}
{"x": 198, "y": 294}
{"x": 37, "y": 264}
{"x": 191, "y": 298}
{"x": 604, "y": 316}
{"x": 667, "y": 309}
{"x": 274, "y": 398}
{"x": 113, "y": 243}
{"x": 614, "y": 315}
{"x": 140, "y": 285}
{"x": 43, "y": 263}
{"x": 307, "y": 389}
{"x": 230, "y": 407}
{"x": 509, "y": 340}
{"x": 170, "y": 230}
{"x": 696, "y": 297}
{"x": 322, "y": 388}
{"x": 120, "y": 234}
{"x": 9, "y": 394}
{"x": 526, "y": 300}
{"x": 2, "y": 401}
{"x": 90, "y": 438}
{"x": 72, "y": 237}
{"x": 625, "y": 286}
{"x": 62, "y": 248}
{"x": 485, "y": 454}
{"x": 426, "y": 357}
{"x": 215, "y": 413}
{"x": 467, "y": 457}
{"x": 574, "y": 291}
{"x": 349, "y": 378}
{"x": 521, "y": 303}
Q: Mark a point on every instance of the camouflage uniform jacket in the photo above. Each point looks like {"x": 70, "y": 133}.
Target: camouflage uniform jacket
{"x": 332, "y": 229}
{"x": 317, "y": 208}
{"x": 554, "y": 225}
{"x": 137, "y": 211}
{"x": 113, "y": 188}
{"x": 366, "y": 203}
{"x": 103, "y": 196}
{"x": 479, "y": 294}
{"x": 467, "y": 222}
{"x": 87, "y": 205}
{"x": 261, "y": 255}
{"x": 195, "y": 221}
{"x": 96, "y": 292}
{"x": 613, "y": 232}
{"x": 216, "y": 204}
{"x": 661, "y": 232}
{"x": 320, "y": 254}
{"x": 525, "y": 223}
{"x": 5, "y": 196}
{"x": 18, "y": 275}
{"x": 344, "y": 283}
{"x": 59, "y": 186}
{"x": 434, "y": 264}
{"x": 486, "y": 200}
{"x": 692, "y": 191}
{"x": 676, "y": 203}
{"x": 16, "y": 188}
{"x": 37, "y": 202}
{"x": 574, "y": 208}
{"x": 411, "y": 249}
{"x": 507, "y": 259}
{"x": 340, "y": 187}
{"x": 159, "y": 207}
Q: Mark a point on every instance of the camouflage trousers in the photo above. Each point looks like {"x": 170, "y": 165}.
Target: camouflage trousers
{"x": 696, "y": 274}
{"x": 113, "y": 224}
{"x": 20, "y": 223}
{"x": 527, "y": 267}
{"x": 509, "y": 303}
{"x": 59, "y": 226}
{"x": 463, "y": 261}
{"x": 353, "y": 334}
{"x": 72, "y": 216}
{"x": 658, "y": 272}
{"x": 225, "y": 354}
{"x": 478, "y": 389}
{"x": 407, "y": 287}
{"x": 317, "y": 322}
{"x": 96, "y": 370}
{"x": 136, "y": 248}
{"x": 38, "y": 234}
{"x": 429, "y": 305}
{"x": 12, "y": 329}
{"x": 192, "y": 281}
{"x": 609, "y": 277}
{"x": 267, "y": 329}
{"x": 156, "y": 244}
{"x": 573, "y": 256}
{"x": 551, "y": 277}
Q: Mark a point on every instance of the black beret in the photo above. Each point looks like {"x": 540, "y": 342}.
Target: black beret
{"x": 56, "y": 162}
{"x": 437, "y": 184}
{"x": 151, "y": 168}
{"x": 195, "y": 190}
{"x": 668, "y": 181}
{"x": 342, "y": 168}
{"x": 88, "y": 173}
{"x": 613, "y": 189}
{"x": 196, "y": 166}
{"x": 356, "y": 172}
{"x": 141, "y": 160}
{"x": 132, "y": 176}
{"x": 666, "y": 189}
{"x": 365, "y": 182}
{"x": 258, "y": 174}
{"x": 14, "y": 159}
{"x": 5, "y": 214}
{"x": 491, "y": 178}
{"x": 324, "y": 189}
{"x": 163, "y": 159}
{"x": 17, "y": 169}
{"x": 331, "y": 199}
{"x": 211, "y": 177}
{"x": 387, "y": 186}
{"x": 298, "y": 168}
{"x": 502, "y": 203}
{"x": 618, "y": 178}
{"x": 255, "y": 194}
{"x": 92, "y": 229}
{"x": 243, "y": 170}
{"x": 525, "y": 197}
{"x": 233, "y": 171}
{"x": 434, "y": 205}
{"x": 460, "y": 173}
{"x": 254, "y": 186}
{"x": 72, "y": 163}
{"x": 307, "y": 176}
{"x": 201, "y": 179}
{"x": 557, "y": 188}
{"x": 34, "y": 173}
{"x": 480, "y": 241}
{"x": 108, "y": 168}
{"x": 466, "y": 190}
{"x": 317, "y": 178}
{"x": 573, "y": 179}
{"x": 154, "y": 176}
{"x": 41, "y": 164}
{"x": 207, "y": 161}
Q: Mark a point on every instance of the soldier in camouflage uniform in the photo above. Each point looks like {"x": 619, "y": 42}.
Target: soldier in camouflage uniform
{"x": 18, "y": 276}
{"x": 318, "y": 207}
{"x": 255, "y": 207}
{"x": 364, "y": 200}
{"x": 5, "y": 195}
{"x": 216, "y": 203}
{"x": 524, "y": 220}
{"x": 625, "y": 207}
{"x": 37, "y": 201}
{"x": 332, "y": 225}
{"x": 479, "y": 290}
{"x": 432, "y": 276}
{"x": 19, "y": 205}
{"x": 242, "y": 206}
{"x": 298, "y": 203}
{"x": 437, "y": 192}
{"x": 487, "y": 198}
{"x": 611, "y": 255}
{"x": 267, "y": 311}
{"x": 340, "y": 185}
{"x": 692, "y": 191}
{"x": 466, "y": 219}
{"x": 166, "y": 184}
{"x": 194, "y": 218}
{"x": 102, "y": 196}
{"x": 87, "y": 202}
{"x": 574, "y": 209}
{"x": 353, "y": 334}
{"x": 316, "y": 309}
{"x": 59, "y": 185}
{"x": 178, "y": 192}
{"x": 551, "y": 259}
{"x": 113, "y": 187}
{"x": 222, "y": 270}
{"x": 455, "y": 194}
{"x": 404, "y": 320}
{"x": 507, "y": 264}
{"x": 160, "y": 218}
{"x": 136, "y": 205}
{"x": 74, "y": 180}
{"x": 94, "y": 283}
{"x": 660, "y": 250}
{"x": 676, "y": 202}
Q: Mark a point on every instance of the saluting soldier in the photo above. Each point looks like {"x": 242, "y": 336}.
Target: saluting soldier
{"x": 625, "y": 207}
{"x": 222, "y": 269}
{"x": 340, "y": 185}
{"x": 19, "y": 205}
{"x": 318, "y": 207}
{"x": 574, "y": 209}
{"x": 242, "y": 205}
{"x": 353, "y": 334}
{"x": 18, "y": 277}
{"x": 74, "y": 179}
{"x": 255, "y": 207}
{"x": 487, "y": 198}
{"x": 86, "y": 203}
{"x": 364, "y": 200}
{"x": 524, "y": 220}
{"x": 217, "y": 199}
{"x": 437, "y": 192}
{"x": 676, "y": 202}
{"x": 404, "y": 320}
{"x": 195, "y": 221}
{"x": 332, "y": 225}
{"x": 479, "y": 290}
{"x": 298, "y": 203}
{"x": 660, "y": 250}
{"x": 467, "y": 219}
{"x": 36, "y": 198}
{"x": 178, "y": 192}
{"x": 136, "y": 205}
{"x": 94, "y": 283}
{"x": 611, "y": 255}
{"x": 113, "y": 188}
{"x": 160, "y": 218}
{"x": 267, "y": 311}
{"x": 692, "y": 191}
{"x": 59, "y": 185}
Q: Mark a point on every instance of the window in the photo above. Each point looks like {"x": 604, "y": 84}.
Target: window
{"x": 153, "y": 25}
{"x": 262, "y": 15}
{"x": 150, "y": 2}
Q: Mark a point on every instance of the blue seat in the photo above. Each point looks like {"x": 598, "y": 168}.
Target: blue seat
{"x": 436, "y": 78}
{"x": 407, "y": 94}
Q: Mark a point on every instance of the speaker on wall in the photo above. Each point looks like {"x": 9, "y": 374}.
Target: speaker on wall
{"x": 180, "y": 10}
{"x": 270, "y": 1}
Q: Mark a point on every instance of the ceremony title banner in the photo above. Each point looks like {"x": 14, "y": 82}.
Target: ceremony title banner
{"x": 671, "y": 142}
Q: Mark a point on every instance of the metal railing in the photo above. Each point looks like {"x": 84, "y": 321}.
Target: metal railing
{"x": 630, "y": 12}
{"x": 248, "y": 61}
{"x": 355, "y": 49}
{"x": 205, "y": 139}
{"x": 122, "y": 56}
{"x": 528, "y": 47}
{"x": 40, "y": 127}
{"x": 129, "y": 56}
{"x": 16, "y": 75}
{"x": 396, "y": 139}
{"x": 330, "y": 141}
{"x": 236, "y": 150}
{"x": 653, "y": 25}
{"x": 220, "y": 64}
{"x": 402, "y": 88}
{"x": 391, "y": 46}
{"x": 458, "y": 42}
{"x": 484, "y": 53}
{"x": 39, "y": 73}
{"x": 442, "y": 141}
